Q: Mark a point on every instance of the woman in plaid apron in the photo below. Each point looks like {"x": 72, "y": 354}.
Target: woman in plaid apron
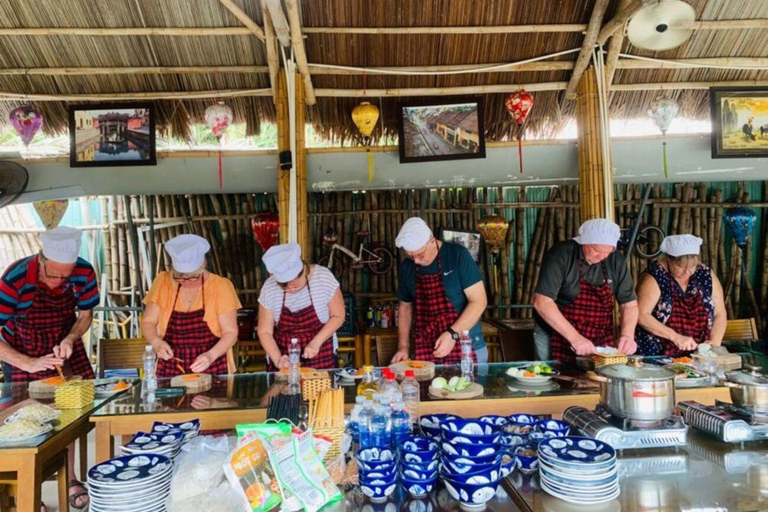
{"x": 591, "y": 314}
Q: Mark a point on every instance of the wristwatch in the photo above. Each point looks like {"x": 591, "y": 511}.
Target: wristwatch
{"x": 453, "y": 334}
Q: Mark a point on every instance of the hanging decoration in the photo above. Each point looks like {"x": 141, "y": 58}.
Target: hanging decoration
{"x": 218, "y": 117}
{"x": 365, "y": 116}
{"x": 663, "y": 112}
{"x": 51, "y": 212}
{"x": 493, "y": 229}
{"x": 519, "y": 105}
{"x": 740, "y": 220}
{"x": 266, "y": 227}
{"x": 27, "y": 122}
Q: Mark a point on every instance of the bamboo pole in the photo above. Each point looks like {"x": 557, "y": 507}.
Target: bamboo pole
{"x": 283, "y": 144}
{"x": 125, "y": 31}
{"x": 246, "y": 20}
{"x": 297, "y": 43}
{"x": 270, "y": 41}
{"x": 489, "y": 29}
{"x": 439, "y": 91}
{"x": 674, "y": 86}
{"x": 591, "y": 165}
{"x": 614, "y": 49}
{"x": 585, "y": 55}
{"x": 494, "y": 67}
{"x": 280, "y": 22}
{"x": 619, "y": 20}
{"x": 134, "y": 70}
{"x": 167, "y": 95}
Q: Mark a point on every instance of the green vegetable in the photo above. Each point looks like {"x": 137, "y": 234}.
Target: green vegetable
{"x": 439, "y": 383}
{"x": 541, "y": 368}
{"x": 463, "y": 384}
{"x": 453, "y": 382}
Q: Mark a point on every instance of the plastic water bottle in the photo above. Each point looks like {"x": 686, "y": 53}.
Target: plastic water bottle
{"x": 381, "y": 427}
{"x": 294, "y": 359}
{"x": 149, "y": 381}
{"x": 364, "y": 425}
{"x": 391, "y": 387}
{"x": 467, "y": 363}
{"x": 401, "y": 423}
{"x": 354, "y": 417}
{"x": 411, "y": 395}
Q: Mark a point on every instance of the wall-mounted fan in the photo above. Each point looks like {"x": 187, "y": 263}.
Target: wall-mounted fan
{"x": 657, "y": 26}
{"x": 13, "y": 181}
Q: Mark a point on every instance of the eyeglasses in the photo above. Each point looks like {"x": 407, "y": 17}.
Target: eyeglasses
{"x": 286, "y": 285}
{"x": 418, "y": 256}
{"x": 51, "y": 276}
{"x": 192, "y": 279}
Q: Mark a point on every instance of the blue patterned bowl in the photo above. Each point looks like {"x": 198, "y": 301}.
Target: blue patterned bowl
{"x": 420, "y": 457}
{"x": 472, "y": 495}
{"x": 469, "y": 461}
{"x": 378, "y": 493}
{"x": 514, "y": 440}
{"x": 508, "y": 464}
{"x": 494, "y": 419}
{"x": 418, "y": 488}
{"x": 454, "y": 469}
{"x": 520, "y": 424}
{"x": 425, "y": 467}
{"x": 434, "y": 420}
{"x": 375, "y": 455}
{"x": 553, "y": 428}
{"x": 412, "y": 474}
{"x": 469, "y": 450}
{"x": 468, "y": 427}
{"x": 378, "y": 475}
{"x": 419, "y": 444}
{"x": 383, "y": 465}
{"x": 527, "y": 458}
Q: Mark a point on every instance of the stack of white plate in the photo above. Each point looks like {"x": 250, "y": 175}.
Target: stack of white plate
{"x": 131, "y": 483}
{"x": 579, "y": 470}
{"x": 189, "y": 429}
{"x": 163, "y": 444}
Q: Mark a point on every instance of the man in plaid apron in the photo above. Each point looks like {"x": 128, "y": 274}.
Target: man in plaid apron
{"x": 441, "y": 295}
{"x": 579, "y": 282}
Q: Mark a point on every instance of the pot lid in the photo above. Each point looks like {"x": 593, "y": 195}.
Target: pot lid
{"x": 634, "y": 369}
{"x": 750, "y": 376}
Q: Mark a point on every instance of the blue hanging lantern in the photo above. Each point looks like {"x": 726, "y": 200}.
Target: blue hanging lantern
{"x": 740, "y": 221}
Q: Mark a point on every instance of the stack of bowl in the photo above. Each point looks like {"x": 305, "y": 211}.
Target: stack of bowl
{"x": 418, "y": 465}
{"x": 517, "y": 430}
{"x": 377, "y": 473}
{"x": 430, "y": 424}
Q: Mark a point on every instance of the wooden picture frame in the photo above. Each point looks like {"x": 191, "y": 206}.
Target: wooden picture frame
{"x": 112, "y": 135}
{"x": 739, "y": 122}
{"x": 470, "y": 240}
{"x": 441, "y": 129}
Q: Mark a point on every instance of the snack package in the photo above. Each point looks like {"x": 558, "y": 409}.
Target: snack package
{"x": 250, "y": 473}
{"x": 274, "y": 435}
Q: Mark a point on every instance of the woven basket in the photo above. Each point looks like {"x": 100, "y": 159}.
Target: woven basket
{"x": 310, "y": 388}
{"x": 75, "y": 394}
{"x": 335, "y": 434}
{"x": 599, "y": 360}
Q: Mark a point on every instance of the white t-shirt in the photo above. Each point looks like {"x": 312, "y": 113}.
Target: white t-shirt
{"x": 323, "y": 285}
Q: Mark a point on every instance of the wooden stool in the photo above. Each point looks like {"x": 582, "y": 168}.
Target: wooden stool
{"x": 57, "y": 467}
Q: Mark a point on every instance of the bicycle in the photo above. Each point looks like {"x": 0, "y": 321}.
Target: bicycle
{"x": 379, "y": 259}
{"x": 648, "y": 241}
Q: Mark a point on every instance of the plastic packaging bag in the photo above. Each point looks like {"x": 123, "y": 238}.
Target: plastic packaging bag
{"x": 199, "y": 467}
{"x": 250, "y": 474}
{"x": 222, "y": 498}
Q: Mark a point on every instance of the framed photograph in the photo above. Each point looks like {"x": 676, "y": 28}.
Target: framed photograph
{"x": 469, "y": 239}
{"x": 739, "y": 122}
{"x": 108, "y": 135}
{"x": 448, "y": 130}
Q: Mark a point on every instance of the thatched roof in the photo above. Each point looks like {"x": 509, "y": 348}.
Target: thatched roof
{"x": 331, "y": 115}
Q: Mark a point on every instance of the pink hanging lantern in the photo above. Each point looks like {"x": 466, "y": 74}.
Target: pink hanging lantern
{"x": 218, "y": 117}
{"x": 27, "y": 122}
{"x": 266, "y": 227}
{"x": 519, "y": 105}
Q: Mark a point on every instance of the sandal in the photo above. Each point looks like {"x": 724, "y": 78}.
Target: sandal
{"x": 43, "y": 508}
{"x": 76, "y": 496}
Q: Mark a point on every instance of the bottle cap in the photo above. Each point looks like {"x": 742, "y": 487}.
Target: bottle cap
{"x": 390, "y": 376}
{"x": 367, "y": 368}
{"x": 148, "y": 348}
{"x": 409, "y": 374}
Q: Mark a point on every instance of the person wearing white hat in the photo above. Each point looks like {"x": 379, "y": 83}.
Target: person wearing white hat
{"x": 46, "y": 303}
{"x": 441, "y": 295}
{"x": 299, "y": 301}
{"x": 190, "y": 314}
{"x": 579, "y": 282}
{"x": 681, "y": 301}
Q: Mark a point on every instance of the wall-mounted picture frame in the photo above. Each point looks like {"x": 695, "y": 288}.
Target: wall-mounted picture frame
{"x": 739, "y": 122}
{"x": 471, "y": 240}
{"x": 448, "y": 129}
{"x": 112, "y": 135}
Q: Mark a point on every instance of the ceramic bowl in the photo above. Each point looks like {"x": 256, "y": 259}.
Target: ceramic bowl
{"x": 457, "y": 437}
{"x": 553, "y": 428}
{"x": 494, "y": 419}
{"x": 420, "y": 457}
{"x": 469, "y": 450}
{"x": 378, "y": 476}
{"x": 378, "y": 493}
{"x": 418, "y": 444}
{"x": 469, "y": 461}
{"x": 523, "y": 419}
{"x": 417, "y": 488}
{"x": 527, "y": 458}
{"x": 534, "y": 438}
{"x": 472, "y": 495}
{"x": 469, "y": 427}
{"x": 462, "y": 470}
{"x": 508, "y": 464}
{"x": 425, "y": 467}
{"x": 434, "y": 420}
{"x": 375, "y": 455}
{"x": 432, "y": 432}
{"x": 386, "y": 466}
{"x": 421, "y": 476}
{"x": 514, "y": 440}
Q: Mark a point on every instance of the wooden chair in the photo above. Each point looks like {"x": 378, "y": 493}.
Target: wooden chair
{"x": 353, "y": 346}
{"x": 120, "y": 353}
{"x": 250, "y": 357}
{"x": 515, "y": 339}
{"x": 492, "y": 343}
{"x": 741, "y": 329}
{"x": 57, "y": 467}
{"x": 386, "y": 347}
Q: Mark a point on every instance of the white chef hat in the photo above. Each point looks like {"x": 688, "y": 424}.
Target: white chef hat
{"x": 187, "y": 252}
{"x": 413, "y": 235}
{"x": 681, "y": 245}
{"x": 599, "y": 231}
{"x": 284, "y": 261}
{"x": 62, "y": 244}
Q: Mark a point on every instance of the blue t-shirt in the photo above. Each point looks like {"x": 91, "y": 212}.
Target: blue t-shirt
{"x": 459, "y": 273}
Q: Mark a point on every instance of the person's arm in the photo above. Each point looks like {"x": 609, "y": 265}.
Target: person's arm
{"x": 719, "y": 322}
{"x": 629, "y": 314}
{"x": 476, "y": 303}
{"x": 266, "y": 332}
{"x": 228, "y": 324}
{"x": 26, "y": 363}
{"x": 624, "y": 291}
{"x": 337, "y": 313}
{"x": 648, "y": 295}
{"x": 548, "y": 310}
{"x": 149, "y": 321}
{"x": 65, "y": 348}
{"x": 404, "y": 322}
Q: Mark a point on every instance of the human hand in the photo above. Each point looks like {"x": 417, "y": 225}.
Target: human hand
{"x": 627, "y": 345}
{"x": 64, "y": 349}
{"x": 684, "y": 342}
{"x": 163, "y": 350}
{"x": 444, "y": 345}
{"x": 311, "y": 350}
{"x": 39, "y": 364}
{"x": 202, "y": 363}
{"x": 583, "y": 347}
{"x": 283, "y": 362}
{"x": 400, "y": 355}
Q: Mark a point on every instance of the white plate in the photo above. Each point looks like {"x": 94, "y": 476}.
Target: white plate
{"x": 584, "y": 476}
{"x": 44, "y": 429}
{"x": 348, "y": 374}
{"x": 539, "y": 380}
{"x": 52, "y": 415}
{"x": 580, "y": 501}
{"x": 104, "y": 388}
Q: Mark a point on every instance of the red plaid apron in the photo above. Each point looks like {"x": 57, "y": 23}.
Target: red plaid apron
{"x": 591, "y": 314}
{"x": 48, "y": 321}
{"x": 303, "y": 325}
{"x": 434, "y": 315}
{"x": 689, "y": 317}
{"x": 189, "y": 336}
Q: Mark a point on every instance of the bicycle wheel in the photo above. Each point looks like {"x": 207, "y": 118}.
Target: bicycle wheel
{"x": 384, "y": 263}
{"x": 338, "y": 267}
{"x": 648, "y": 243}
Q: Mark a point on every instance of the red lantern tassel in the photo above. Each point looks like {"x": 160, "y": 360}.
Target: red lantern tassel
{"x": 520, "y": 152}
{"x": 221, "y": 175}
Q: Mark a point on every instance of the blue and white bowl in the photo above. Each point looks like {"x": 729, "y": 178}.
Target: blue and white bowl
{"x": 527, "y": 458}
{"x": 514, "y": 440}
{"x": 472, "y": 495}
{"x": 469, "y": 427}
{"x": 378, "y": 493}
{"x": 534, "y": 438}
{"x": 478, "y": 477}
{"x": 385, "y": 465}
{"x": 418, "y": 488}
{"x": 494, "y": 419}
{"x": 553, "y": 428}
{"x": 434, "y": 420}
{"x": 469, "y": 450}
{"x": 412, "y": 474}
{"x": 458, "y": 437}
{"x": 419, "y": 444}
{"x": 377, "y": 475}
{"x": 523, "y": 419}
{"x": 424, "y": 457}
{"x": 426, "y": 467}
{"x": 469, "y": 461}
{"x": 376, "y": 455}
{"x": 578, "y": 452}
{"x": 508, "y": 464}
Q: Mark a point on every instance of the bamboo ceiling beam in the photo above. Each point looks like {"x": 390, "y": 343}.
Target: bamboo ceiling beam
{"x": 170, "y": 95}
{"x": 279, "y": 22}
{"x": 614, "y": 48}
{"x": 270, "y": 41}
{"x": 723, "y": 24}
{"x": 297, "y": 43}
{"x": 440, "y": 91}
{"x": 246, "y": 20}
{"x": 318, "y": 69}
{"x": 152, "y": 70}
{"x": 131, "y": 31}
{"x": 619, "y": 20}
{"x": 585, "y": 55}
{"x": 496, "y": 29}
{"x": 674, "y": 86}
{"x": 739, "y": 62}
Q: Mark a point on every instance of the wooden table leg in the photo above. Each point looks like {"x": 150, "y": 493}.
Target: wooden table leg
{"x": 62, "y": 481}
{"x": 30, "y": 477}
{"x": 83, "y": 449}
{"x": 104, "y": 444}
{"x": 359, "y": 356}
{"x": 367, "y": 348}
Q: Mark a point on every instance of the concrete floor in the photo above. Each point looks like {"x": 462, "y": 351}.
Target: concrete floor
{"x": 50, "y": 494}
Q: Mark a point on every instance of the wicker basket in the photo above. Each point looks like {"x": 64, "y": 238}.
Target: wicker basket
{"x": 75, "y": 394}
{"x": 310, "y": 388}
{"x": 335, "y": 434}
{"x": 599, "y": 360}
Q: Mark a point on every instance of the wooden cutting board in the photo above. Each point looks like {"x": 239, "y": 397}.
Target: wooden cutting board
{"x": 306, "y": 373}
{"x": 425, "y": 373}
{"x": 472, "y": 391}
{"x": 43, "y": 389}
{"x": 194, "y": 382}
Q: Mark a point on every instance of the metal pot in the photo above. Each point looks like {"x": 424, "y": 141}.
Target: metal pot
{"x": 636, "y": 391}
{"x": 749, "y": 388}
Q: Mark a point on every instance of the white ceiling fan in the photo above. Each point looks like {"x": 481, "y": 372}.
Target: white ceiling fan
{"x": 657, "y": 25}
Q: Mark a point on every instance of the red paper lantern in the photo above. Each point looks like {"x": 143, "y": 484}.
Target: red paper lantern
{"x": 266, "y": 227}
{"x": 519, "y": 105}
